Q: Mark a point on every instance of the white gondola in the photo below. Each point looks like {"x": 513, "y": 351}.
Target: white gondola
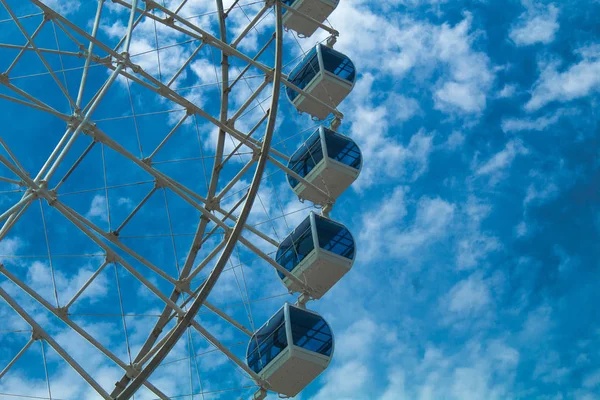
{"x": 318, "y": 252}
{"x": 317, "y": 10}
{"x": 291, "y": 349}
{"x": 328, "y": 160}
{"x": 327, "y": 75}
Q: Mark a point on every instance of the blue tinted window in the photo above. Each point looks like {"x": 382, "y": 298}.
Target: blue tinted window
{"x": 338, "y": 64}
{"x": 295, "y": 247}
{"x": 303, "y": 73}
{"x": 334, "y": 237}
{"x": 310, "y": 332}
{"x": 342, "y": 149}
{"x": 267, "y": 343}
{"x": 306, "y": 158}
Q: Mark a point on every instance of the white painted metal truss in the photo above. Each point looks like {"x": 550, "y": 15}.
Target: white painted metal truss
{"x": 221, "y": 209}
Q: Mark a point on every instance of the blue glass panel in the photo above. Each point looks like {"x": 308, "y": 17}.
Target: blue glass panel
{"x": 342, "y": 149}
{"x": 334, "y": 237}
{"x": 338, "y": 64}
{"x": 306, "y": 158}
{"x": 267, "y": 343}
{"x": 311, "y": 332}
{"x": 295, "y": 247}
{"x": 304, "y": 73}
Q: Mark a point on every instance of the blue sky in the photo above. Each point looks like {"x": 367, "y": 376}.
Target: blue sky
{"x": 476, "y": 213}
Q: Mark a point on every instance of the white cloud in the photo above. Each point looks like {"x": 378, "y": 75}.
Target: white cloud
{"x": 432, "y": 217}
{"x": 339, "y": 385}
{"x": 507, "y": 91}
{"x": 396, "y": 385}
{"x": 63, "y": 7}
{"x": 39, "y": 277}
{"x": 550, "y": 369}
{"x": 384, "y": 156}
{"x": 98, "y": 208}
{"x": 398, "y": 45}
{"x": 592, "y": 380}
{"x": 469, "y": 296}
{"x": 125, "y": 202}
{"x": 538, "y": 124}
{"x": 9, "y": 247}
{"x": 547, "y": 191}
{"x": 578, "y": 80}
{"x": 455, "y": 140}
{"x": 474, "y": 245}
{"x": 470, "y": 77}
{"x": 496, "y": 166}
{"x": 538, "y": 324}
{"x": 474, "y": 248}
{"x": 538, "y": 24}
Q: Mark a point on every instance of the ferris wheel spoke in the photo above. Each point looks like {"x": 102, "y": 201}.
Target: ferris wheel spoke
{"x": 136, "y": 209}
{"x": 167, "y": 314}
{"x": 88, "y": 58}
{"x": 179, "y": 284}
{"x": 250, "y": 100}
{"x": 164, "y": 90}
{"x": 251, "y": 25}
{"x": 182, "y": 191}
{"x": 161, "y": 178}
{"x": 200, "y": 34}
{"x": 41, "y": 50}
{"x": 74, "y": 216}
{"x": 11, "y": 181}
{"x": 186, "y": 64}
{"x": 40, "y": 333}
{"x": 84, "y": 225}
{"x": 164, "y": 141}
{"x": 16, "y": 357}
{"x": 75, "y": 165}
{"x": 17, "y": 206}
{"x": 235, "y": 179}
{"x": 23, "y": 49}
{"x": 195, "y": 32}
{"x": 62, "y": 315}
{"x": 39, "y": 53}
{"x": 32, "y": 101}
{"x": 225, "y": 350}
{"x": 86, "y": 284}
{"x": 247, "y": 67}
{"x": 247, "y": 136}
{"x": 12, "y": 220}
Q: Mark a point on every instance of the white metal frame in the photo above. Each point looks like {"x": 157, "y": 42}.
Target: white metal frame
{"x": 316, "y": 254}
{"x": 80, "y": 124}
{"x": 291, "y": 349}
{"x": 323, "y": 165}
{"x": 322, "y": 75}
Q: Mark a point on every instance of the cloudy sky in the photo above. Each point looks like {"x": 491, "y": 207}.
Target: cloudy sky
{"x": 476, "y": 213}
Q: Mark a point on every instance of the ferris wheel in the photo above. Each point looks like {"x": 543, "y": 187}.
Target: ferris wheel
{"x": 164, "y": 223}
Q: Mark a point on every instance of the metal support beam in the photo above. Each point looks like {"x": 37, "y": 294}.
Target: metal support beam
{"x": 16, "y": 358}
{"x": 188, "y": 318}
{"x": 251, "y": 25}
{"x": 39, "y": 331}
